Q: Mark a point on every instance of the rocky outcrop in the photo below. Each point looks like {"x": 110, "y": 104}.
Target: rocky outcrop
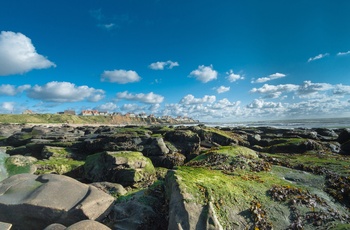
{"x": 219, "y": 178}
{"x": 34, "y": 202}
{"x": 125, "y": 168}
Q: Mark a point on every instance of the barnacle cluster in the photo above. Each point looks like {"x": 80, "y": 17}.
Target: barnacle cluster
{"x": 259, "y": 216}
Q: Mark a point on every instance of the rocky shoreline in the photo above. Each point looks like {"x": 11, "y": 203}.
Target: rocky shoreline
{"x": 166, "y": 177}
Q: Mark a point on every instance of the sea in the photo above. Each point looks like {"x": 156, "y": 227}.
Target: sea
{"x": 331, "y": 123}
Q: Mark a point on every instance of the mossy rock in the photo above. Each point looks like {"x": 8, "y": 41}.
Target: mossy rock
{"x": 124, "y": 167}
{"x": 55, "y": 152}
{"x": 57, "y": 165}
{"x": 210, "y": 199}
{"x": 18, "y": 164}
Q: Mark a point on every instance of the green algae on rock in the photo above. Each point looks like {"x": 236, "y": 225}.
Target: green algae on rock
{"x": 124, "y": 167}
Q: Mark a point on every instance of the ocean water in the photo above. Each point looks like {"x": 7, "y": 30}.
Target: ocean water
{"x": 332, "y": 123}
{"x": 3, "y": 172}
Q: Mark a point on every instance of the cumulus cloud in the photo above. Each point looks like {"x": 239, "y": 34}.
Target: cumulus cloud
{"x": 190, "y": 99}
{"x": 11, "y": 90}
{"x": 343, "y": 53}
{"x": 109, "y": 106}
{"x": 18, "y": 55}
{"x": 149, "y": 98}
{"x": 341, "y": 89}
{"x": 309, "y": 88}
{"x": 317, "y": 57}
{"x": 222, "y": 89}
{"x": 64, "y": 92}
{"x": 7, "y": 107}
{"x": 274, "y": 91}
{"x": 134, "y": 108}
{"x": 120, "y": 76}
{"x": 232, "y": 77}
{"x": 160, "y": 65}
{"x": 269, "y": 78}
{"x": 259, "y": 103}
{"x": 204, "y": 73}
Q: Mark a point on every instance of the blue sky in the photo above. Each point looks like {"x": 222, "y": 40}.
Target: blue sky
{"x": 212, "y": 60}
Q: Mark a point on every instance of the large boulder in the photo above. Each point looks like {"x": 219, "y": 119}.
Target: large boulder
{"x": 186, "y": 141}
{"x": 34, "y": 202}
{"x": 123, "y": 167}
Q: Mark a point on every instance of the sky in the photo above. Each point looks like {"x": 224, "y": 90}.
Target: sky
{"x": 212, "y": 60}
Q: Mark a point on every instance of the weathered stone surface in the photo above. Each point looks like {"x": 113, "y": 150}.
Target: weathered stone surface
{"x": 34, "y": 202}
{"x": 55, "y": 227}
{"x": 155, "y": 147}
{"x": 88, "y": 225}
{"x": 186, "y": 141}
{"x": 125, "y": 168}
{"x": 113, "y": 189}
{"x": 5, "y": 226}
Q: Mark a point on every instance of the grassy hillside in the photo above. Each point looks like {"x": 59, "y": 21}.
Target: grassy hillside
{"x": 64, "y": 118}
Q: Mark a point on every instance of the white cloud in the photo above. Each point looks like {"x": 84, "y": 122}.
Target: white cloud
{"x": 259, "y": 103}
{"x": 11, "y": 90}
{"x": 64, "y": 92}
{"x": 343, "y": 53}
{"x": 149, "y": 98}
{"x": 222, "y": 89}
{"x": 160, "y": 65}
{"x": 7, "y": 107}
{"x": 120, "y": 76}
{"x": 109, "y": 26}
{"x": 269, "y": 78}
{"x": 309, "y": 88}
{"x": 274, "y": 91}
{"x": 204, "y": 73}
{"x": 190, "y": 99}
{"x": 341, "y": 89}
{"x": 134, "y": 108}
{"x": 232, "y": 77}
{"x": 109, "y": 106}
{"x": 320, "y": 56}
{"x": 18, "y": 55}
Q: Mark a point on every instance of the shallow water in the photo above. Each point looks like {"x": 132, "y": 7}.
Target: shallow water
{"x": 3, "y": 172}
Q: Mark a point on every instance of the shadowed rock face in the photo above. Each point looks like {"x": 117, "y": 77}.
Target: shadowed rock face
{"x": 34, "y": 202}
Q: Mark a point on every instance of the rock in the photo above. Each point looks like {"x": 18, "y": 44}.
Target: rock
{"x": 55, "y": 227}
{"x": 168, "y": 161}
{"x": 326, "y": 134}
{"x": 112, "y": 142}
{"x": 34, "y": 202}
{"x": 124, "y": 167}
{"x": 50, "y": 151}
{"x": 112, "y": 189}
{"x": 17, "y": 164}
{"x": 345, "y": 148}
{"x": 143, "y": 210}
{"x": 88, "y": 225}
{"x": 344, "y": 136}
{"x": 5, "y": 226}
{"x": 155, "y": 147}
{"x": 186, "y": 141}
{"x": 19, "y": 139}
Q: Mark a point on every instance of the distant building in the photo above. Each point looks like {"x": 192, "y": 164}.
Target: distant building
{"x": 69, "y": 112}
{"x": 93, "y": 113}
{"x": 28, "y": 111}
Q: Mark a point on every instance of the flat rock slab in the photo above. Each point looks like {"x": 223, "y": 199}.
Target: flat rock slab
{"x": 34, "y": 202}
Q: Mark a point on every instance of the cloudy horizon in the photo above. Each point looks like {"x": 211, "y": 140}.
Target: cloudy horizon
{"x": 213, "y": 61}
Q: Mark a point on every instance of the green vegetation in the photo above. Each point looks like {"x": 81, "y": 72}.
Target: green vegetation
{"x": 57, "y": 165}
{"x": 332, "y": 162}
{"x": 54, "y": 119}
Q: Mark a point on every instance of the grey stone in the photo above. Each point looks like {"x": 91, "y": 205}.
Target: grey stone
{"x": 34, "y": 202}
